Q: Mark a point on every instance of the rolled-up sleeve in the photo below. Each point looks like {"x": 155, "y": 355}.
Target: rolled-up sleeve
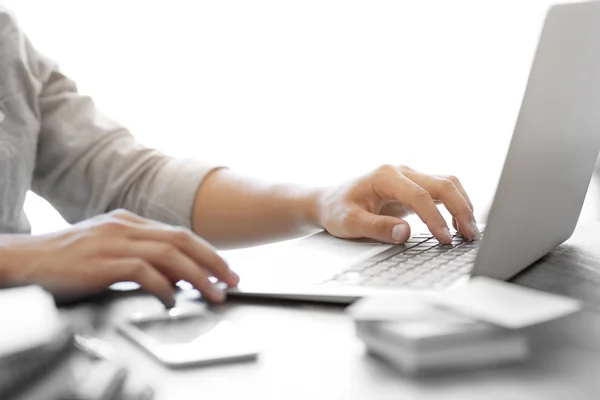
{"x": 87, "y": 164}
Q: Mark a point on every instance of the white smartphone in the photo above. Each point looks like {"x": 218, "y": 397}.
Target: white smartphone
{"x": 189, "y": 337}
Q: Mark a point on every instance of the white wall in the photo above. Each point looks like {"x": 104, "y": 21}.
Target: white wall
{"x": 311, "y": 91}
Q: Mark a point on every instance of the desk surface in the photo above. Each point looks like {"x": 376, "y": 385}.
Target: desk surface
{"x": 310, "y": 350}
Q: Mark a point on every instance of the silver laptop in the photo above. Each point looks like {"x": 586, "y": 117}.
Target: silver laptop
{"x": 536, "y": 207}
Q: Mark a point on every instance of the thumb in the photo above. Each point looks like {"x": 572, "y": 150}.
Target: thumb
{"x": 383, "y": 228}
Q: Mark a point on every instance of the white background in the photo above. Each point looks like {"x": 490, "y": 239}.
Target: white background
{"x": 310, "y": 91}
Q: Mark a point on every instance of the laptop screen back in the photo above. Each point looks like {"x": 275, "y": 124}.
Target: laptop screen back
{"x": 553, "y": 149}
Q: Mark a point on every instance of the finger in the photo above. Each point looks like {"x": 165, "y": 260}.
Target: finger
{"x": 171, "y": 262}
{"x": 386, "y": 229}
{"x": 397, "y": 186}
{"x": 193, "y": 246}
{"x": 445, "y": 190}
{"x": 140, "y": 271}
{"x": 460, "y": 188}
{"x": 462, "y": 191}
{"x": 136, "y": 227}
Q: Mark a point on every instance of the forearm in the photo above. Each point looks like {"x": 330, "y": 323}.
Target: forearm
{"x": 7, "y": 265}
{"x": 231, "y": 210}
{"x": 4, "y": 271}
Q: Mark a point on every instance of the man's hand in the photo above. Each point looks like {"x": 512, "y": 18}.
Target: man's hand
{"x": 119, "y": 246}
{"x": 373, "y": 206}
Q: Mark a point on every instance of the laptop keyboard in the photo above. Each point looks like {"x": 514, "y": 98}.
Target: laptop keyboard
{"x": 422, "y": 262}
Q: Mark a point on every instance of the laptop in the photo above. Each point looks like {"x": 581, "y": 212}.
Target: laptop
{"x": 538, "y": 199}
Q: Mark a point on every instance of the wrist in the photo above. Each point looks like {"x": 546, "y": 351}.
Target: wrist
{"x": 11, "y": 267}
{"x": 310, "y": 207}
{"x": 6, "y": 274}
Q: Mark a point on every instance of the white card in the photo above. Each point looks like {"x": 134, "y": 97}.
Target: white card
{"x": 504, "y": 304}
{"x": 394, "y": 307}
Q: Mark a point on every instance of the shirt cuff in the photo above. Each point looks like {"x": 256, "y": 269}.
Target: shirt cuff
{"x": 175, "y": 187}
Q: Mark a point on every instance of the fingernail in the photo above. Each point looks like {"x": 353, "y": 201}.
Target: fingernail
{"x": 446, "y": 235}
{"x": 217, "y": 294}
{"x": 476, "y": 232}
{"x": 233, "y": 278}
{"x": 399, "y": 233}
{"x": 169, "y": 302}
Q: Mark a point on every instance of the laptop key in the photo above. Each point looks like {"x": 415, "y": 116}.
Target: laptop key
{"x": 428, "y": 244}
{"x": 426, "y": 235}
{"x": 403, "y": 267}
{"x": 392, "y": 251}
{"x": 447, "y": 256}
{"x": 412, "y": 255}
{"x": 389, "y": 274}
{"x": 438, "y": 250}
{"x": 379, "y": 268}
{"x": 398, "y": 260}
{"x": 460, "y": 251}
{"x": 416, "y": 239}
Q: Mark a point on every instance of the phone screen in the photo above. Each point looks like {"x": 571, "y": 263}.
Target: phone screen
{"x": 190, "y": 337}
{"x": 178, "y": 330}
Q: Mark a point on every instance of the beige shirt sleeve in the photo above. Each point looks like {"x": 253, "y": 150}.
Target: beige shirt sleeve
{"x": 87, "y": 164}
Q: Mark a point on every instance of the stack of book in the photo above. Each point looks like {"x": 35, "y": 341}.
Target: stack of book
{"x": 478, "y": 324}
{"x": 446, "y": 342}
{"x": 33, "y": 338}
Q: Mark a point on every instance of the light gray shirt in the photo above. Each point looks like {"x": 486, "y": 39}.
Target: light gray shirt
{"x": 54, "y": 141}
